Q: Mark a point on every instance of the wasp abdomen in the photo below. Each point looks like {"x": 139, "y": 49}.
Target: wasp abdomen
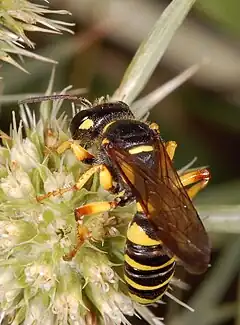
{"x": 148, "y": 270}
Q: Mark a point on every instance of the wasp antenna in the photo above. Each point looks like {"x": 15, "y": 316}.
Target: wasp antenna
{"x": 38, "y": 99}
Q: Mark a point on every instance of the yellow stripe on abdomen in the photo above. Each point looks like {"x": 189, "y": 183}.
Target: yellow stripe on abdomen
{"x": 143, "y": 301}
{"x": 143, "y": 267}
{"x": 146, "y": 287}
{"x": 137, "y": 235}
{"x": 148, "y": 270}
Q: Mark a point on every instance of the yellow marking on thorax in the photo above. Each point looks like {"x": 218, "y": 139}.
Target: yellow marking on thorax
{"x": 142, "y": 287}
{"x": 140, "y": 149}
{"x": 107, "y": 126}
{"x": 86, "y": 125}
{"x": 138, "y": 236}
{"x": 105, "y": 141}
{"x": 142, "y": 267}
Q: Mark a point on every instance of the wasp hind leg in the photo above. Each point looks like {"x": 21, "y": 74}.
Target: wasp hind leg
{"x": 82, "y": 234}
{"x": 82, "y": 231}
{"x": 198, "y": 177}
{"x": 94, "y": 208}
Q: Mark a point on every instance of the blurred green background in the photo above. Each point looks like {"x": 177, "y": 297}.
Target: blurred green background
{"x": 203, "y": 115}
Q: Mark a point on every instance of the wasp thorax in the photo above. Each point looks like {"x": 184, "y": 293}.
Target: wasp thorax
{"x": 129, "y": 133}
{"x": 89, "y": 124}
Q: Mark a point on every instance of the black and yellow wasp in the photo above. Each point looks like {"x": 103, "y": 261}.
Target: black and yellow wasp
{"x": 134, "y": 162}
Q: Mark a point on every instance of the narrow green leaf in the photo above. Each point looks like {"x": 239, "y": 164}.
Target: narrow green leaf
{"x": 221, "y": 218}
{"x": 145, "y": 104}
{"x": 46, "y": 106}
{"x": 151, "y": 50}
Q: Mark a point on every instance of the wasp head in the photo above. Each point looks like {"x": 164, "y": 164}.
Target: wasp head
{"x": 88, "y": 125}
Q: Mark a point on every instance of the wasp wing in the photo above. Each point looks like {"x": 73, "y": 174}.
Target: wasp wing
{"x": 167, "y": 205}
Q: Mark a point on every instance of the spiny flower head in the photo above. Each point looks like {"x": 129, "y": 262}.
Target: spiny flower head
{"x": 21, "y": 17}
{"x": 36, "y": 282}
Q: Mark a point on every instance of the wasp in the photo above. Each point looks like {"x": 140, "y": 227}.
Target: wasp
{"x": 134, "y": 162}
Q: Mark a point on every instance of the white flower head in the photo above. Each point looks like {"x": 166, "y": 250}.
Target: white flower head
{"x": 38, "y": 312}
{"x": 9, "y": 288}
{"x": 9, "y": 234}
{"x": 66, "y": 307}
{"x": 59, "y": 179}
{"x": 17, "y": 185}
{"x": 40, "y": 276}
{"x": 25, "y": 154}
{"x": 111, "y": 307}
{"x": 4, "y": 155}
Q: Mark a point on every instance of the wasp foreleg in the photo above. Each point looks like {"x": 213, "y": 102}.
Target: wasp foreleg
{"x": 80, "y": 183}
{"x": 80, "y": 153}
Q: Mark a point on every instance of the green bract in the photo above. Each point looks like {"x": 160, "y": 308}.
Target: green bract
{"x": 36, "y": 235}
{"x": 19, "y": 17}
